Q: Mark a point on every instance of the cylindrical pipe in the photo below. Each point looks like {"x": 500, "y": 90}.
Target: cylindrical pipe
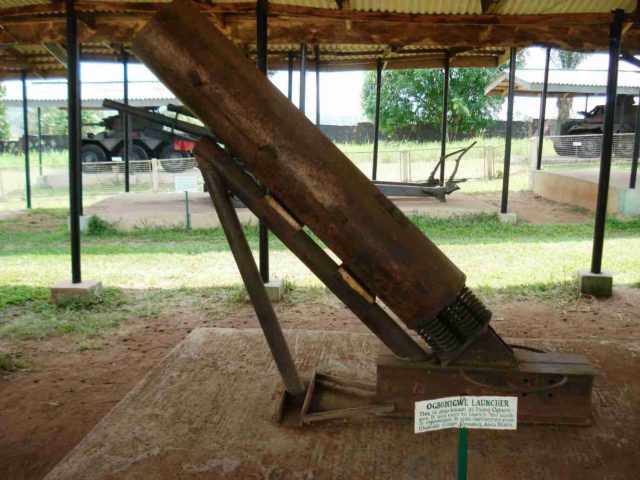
{"x": 126, "y": 150}
{"x": 636, "y": 148}
{"x": 376, "y": 121}
{"x": 211, "y": 156}
{"x": 509, "y": 132}
{"x": 301, "y": 167}
{"x": 253, "y": 282}
{"x": 40, "y": 141}
{"x": 25, "y": 125}
{"x": 445, "y": 111}
{"x": 543, "y": 109}
{"x": 73, "y": 109}
{"x": 615, "y": 36}
{"x": 262, "y": 14}
{"x": 317, "y": 55}
{"x": 290, "y": 77}
{"x": 303, "y": 77}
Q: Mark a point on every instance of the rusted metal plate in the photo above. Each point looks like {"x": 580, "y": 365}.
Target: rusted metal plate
{"x": 550, "y": 389}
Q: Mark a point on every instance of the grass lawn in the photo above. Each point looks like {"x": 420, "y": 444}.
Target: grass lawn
{"x": 148, "y": 272}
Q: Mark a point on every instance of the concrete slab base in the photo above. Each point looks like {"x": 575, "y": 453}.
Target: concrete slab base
{"x": 275, "y": 289}
{"x": 65, "y": 291}
{"x": 508, "y": 217}
{"x": 596, "y": 284}
{"x": 206, "y": 412}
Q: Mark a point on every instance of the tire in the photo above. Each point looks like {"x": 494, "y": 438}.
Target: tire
{"x": 623, "y": 147}
{"x": 136, "y": 153}
{"x": 175, "y": 161}
{"x": 590, "y": 148}
{"x": 91, "y": 155}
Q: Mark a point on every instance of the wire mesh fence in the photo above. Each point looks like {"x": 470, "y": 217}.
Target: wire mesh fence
{"x": 50, "y": 176}
{"x": 581, "y": 151}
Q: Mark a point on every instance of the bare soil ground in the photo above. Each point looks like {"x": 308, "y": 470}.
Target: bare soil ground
{"x": 48, "y": 408}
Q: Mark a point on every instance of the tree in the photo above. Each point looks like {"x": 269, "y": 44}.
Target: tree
{"x": 415, "y": 97}
{"x": 4, "y": 123}
{"x": 566, "y": 60}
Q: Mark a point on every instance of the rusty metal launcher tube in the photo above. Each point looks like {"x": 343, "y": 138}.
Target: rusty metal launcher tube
{"x": 379, "y": 245}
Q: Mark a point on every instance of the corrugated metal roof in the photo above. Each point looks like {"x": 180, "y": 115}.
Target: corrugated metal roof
{"x": 594, "y": 82}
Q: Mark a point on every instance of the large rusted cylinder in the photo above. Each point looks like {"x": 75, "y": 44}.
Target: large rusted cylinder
{"x": 300, "y": 166}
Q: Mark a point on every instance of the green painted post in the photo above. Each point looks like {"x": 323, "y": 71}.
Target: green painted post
{"x": 186, "y": 196}
{"x": 39, "y": 141}
{"x": 463, "y": 449}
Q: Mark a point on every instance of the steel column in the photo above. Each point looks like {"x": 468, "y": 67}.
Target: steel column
{"x": 39, "y": 141}
{"x": 253, "y": 282}
{"x": 126, "y": 150}
{"x": 445, "y": 110}
{"x": 73, "y": 108}
{"x": 303, "y": 77}
{"x": 317, "y": 55}
{"x": 262, "y": 13}
{"x": 25, "y": 124}
{"x": 290, "y": 79}
{"x": 376, "y": 122}
{"x": 543, "y": 109}
{"x": 615, "y": 37}
{"x": 507, "y": 140}
{"x": 636, "y": 149}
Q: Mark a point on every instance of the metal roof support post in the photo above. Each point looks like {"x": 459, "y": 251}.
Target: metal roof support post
{"x": 507, "y": 140}
{"x": 290, "y": 79}
{"x": 543, "y": 109}
{"x": 262, "y": 12}
{"x": 445, "y": 110}
{"x": 39, "y": 141}
{"x": 317, "y": 55}
{"x": 126, "y": 126}
{"x": 636, "y": 149}
{"x": 25, "y": 143}
{"x": 303, "y": 76}
{"x": 73, "y": 108}
{"x": 615, "y": 37}
{"x": 376, "y": 124}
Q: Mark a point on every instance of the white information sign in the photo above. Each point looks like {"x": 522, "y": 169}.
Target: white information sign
{"x": 185, "y": 184}
{"x": 487, "y": 412}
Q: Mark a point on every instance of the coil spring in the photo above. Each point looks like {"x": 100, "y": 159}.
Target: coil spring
{"x": 457, "y": 323}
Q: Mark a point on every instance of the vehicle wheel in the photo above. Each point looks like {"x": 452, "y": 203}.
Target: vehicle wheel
{"x": 623, "y": 147}
{"x": 590, "y": 148}
{"x": 136, "y": 153}
{"x": 91, "y": 154}
{"x": 561, "y": 149}
{"x": 175, "y": 161}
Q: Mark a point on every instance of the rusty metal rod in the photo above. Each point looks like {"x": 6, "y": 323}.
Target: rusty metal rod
{"x": 211, "y": 157}
{"x": 253, "y": 282}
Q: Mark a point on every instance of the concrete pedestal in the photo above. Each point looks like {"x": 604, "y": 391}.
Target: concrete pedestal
{"x": 65, "y": 291}
{"x": 275, "y": 290}
{"x": 596, "y": 284}
{"x": 507, "y": 217}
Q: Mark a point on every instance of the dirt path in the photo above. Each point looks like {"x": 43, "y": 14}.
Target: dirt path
{"x": 45, "y": 411}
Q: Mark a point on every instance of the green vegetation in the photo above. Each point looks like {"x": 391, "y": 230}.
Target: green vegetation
{"x": 10, "y": 363}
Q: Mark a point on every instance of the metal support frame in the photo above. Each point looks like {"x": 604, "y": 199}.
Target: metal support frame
{"x": 317, "y": 65}
{"x": 376, "y": 122}
{"x": 40, "y": 148}
{"x": 303, "y": 77}
{"x": 73, "y": 108}
{"x": 290, "y": 57}
{"x": 25, "y": 124}
{"x": 253, "y": 282}
{"x": 543, "y": 109}
{"x": 126, "y": 126}
{"x": 445, "y": 110}
{"x": 636, "y": 149}
{"x": 509, "y": 132}
{"x": 615, "y": 38}
{"x": 262, "y": 13}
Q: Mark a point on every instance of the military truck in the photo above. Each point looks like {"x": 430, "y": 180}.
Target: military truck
{"x": 591, "y": 126}
{"x": 149, "y": 140}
